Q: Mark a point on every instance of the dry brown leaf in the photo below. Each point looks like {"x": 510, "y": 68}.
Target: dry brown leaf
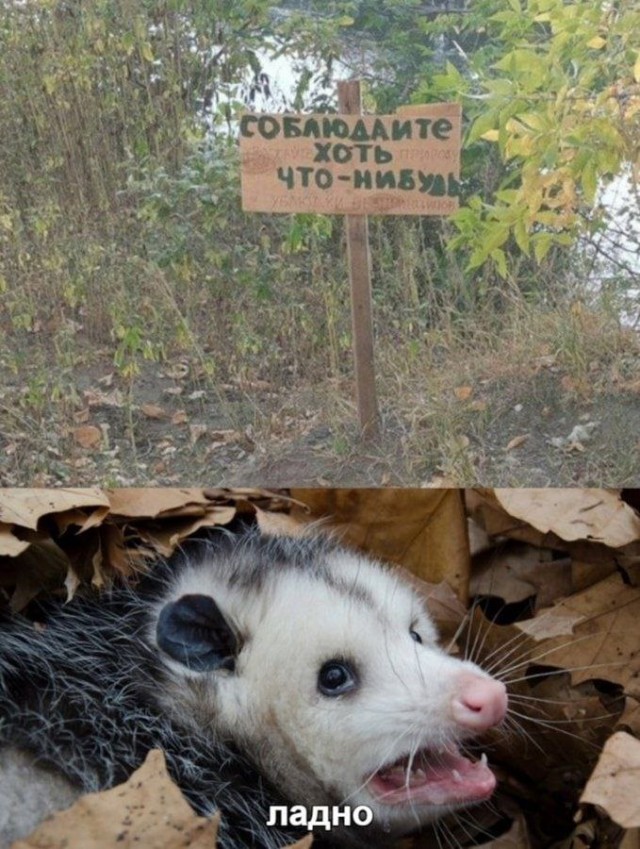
{"x": 282, "y": 524}
{"x": 615, "y": 782}
{"x": 515, "y": 570}
{"x": 149, "y": 503}
{"x": 630, "y": 839}
{"x": 42, "y": 566}
{"x": 424, "y": 530}
{"x": 607, "y": 643}
{"x": 163, "y": 538}
{"x": 517, "y": 441}
{"x": 96, "y": 398}
{"x": 630, "y": 719}
{"x": 87, "y": 436}
{"x": 82, "y": 416}
{"x": 591, "y": 563}
{"x": 153, "y": 411}
{"x": 179, "y": 417}
{"x": 549, "y": 623}
{"x": 10, "y": 545}
{"x": 25, "y": 507}
{"x": 196, "y": 431}
{"x": 148, "y": 810}
{"x": 178, "y": 371}
{"x": 484, "y": 509}
{"x": 573, "y": 514}
{"x": 463, "y": 393}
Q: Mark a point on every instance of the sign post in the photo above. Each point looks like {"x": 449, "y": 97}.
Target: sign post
{"x": 354, "y": 165}
{"x": 360, "y": 279}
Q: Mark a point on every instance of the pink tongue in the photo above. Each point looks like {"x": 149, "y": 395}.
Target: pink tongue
{"x": 436, "y": 779}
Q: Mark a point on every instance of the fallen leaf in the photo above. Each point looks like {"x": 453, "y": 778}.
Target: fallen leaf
{"x": 517, "y": 441}
{"x": 148, "y": 810}
{"x": 164, "y": 537}
{"x": 225, "y": 436}
{"x": 82, "y": 416}
{"x": 549, "y": 623}
{"x": 196, "y": 431}
{"x": 10, "y": 545}
{"x": 25, "y": 507}
{"x": 630, "y": 719}
{"x": 463, "y": 393}
{"x": 630, "y": 839}
{"x": 87, "y": 436}
{"x": 177, "y": 372}
{"x": 573, "y": 514}
{"x": 40, "y": 567}
{"x": 615, "y": 782}
{"x": 424, "y": 530}
{"x": 514, "y": 571}
{"x": 607, "y": 642}
{"x": 96, "y": 398}
{"x": 179, "y": 417}
{"x": 150, "y": 503}
{"x": 153, "y": 411}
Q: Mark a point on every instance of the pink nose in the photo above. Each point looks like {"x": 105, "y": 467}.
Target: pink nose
{"x": 480, "y": 703}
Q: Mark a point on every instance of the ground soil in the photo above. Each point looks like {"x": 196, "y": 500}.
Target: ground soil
{"x": 170, "y": 425}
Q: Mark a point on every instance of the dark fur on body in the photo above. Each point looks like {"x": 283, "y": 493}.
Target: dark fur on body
{"x": 81, "y": 695}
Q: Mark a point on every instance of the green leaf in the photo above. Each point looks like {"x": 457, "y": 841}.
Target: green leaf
{"x": 589, "y": 181}
{"x": 498, "y": 256}
{"x": 541, "y": 245}
{"x": 521, "y": 235}
{"x": 483, "y": 123}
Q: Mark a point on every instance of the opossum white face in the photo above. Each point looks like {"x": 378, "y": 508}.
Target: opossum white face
{"x": 335, "y": 685}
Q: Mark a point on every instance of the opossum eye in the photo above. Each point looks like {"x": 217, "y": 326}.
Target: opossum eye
{"x": 336, "y": 677}
{"x": 415, "y": 636}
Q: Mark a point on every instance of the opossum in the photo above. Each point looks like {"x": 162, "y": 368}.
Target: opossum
{"x": 271, "y": 671}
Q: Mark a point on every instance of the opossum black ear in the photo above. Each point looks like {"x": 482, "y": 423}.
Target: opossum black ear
{"x": 194, "y": 631}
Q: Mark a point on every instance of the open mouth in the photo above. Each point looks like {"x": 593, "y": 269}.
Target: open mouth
{"x": 442, "y": 777}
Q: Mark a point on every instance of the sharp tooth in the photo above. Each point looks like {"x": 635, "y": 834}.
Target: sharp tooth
{"x": 483, "y": 759}
{"x": 456, "y": 775}
{"x": 420, "y": 774}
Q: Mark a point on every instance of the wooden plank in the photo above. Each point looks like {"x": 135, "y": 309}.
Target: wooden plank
{"x": 402, "y": 164}
{"x": 360, "y": 279}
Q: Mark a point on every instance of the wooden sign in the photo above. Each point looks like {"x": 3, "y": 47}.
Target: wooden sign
{"x": 403, "y": 164}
